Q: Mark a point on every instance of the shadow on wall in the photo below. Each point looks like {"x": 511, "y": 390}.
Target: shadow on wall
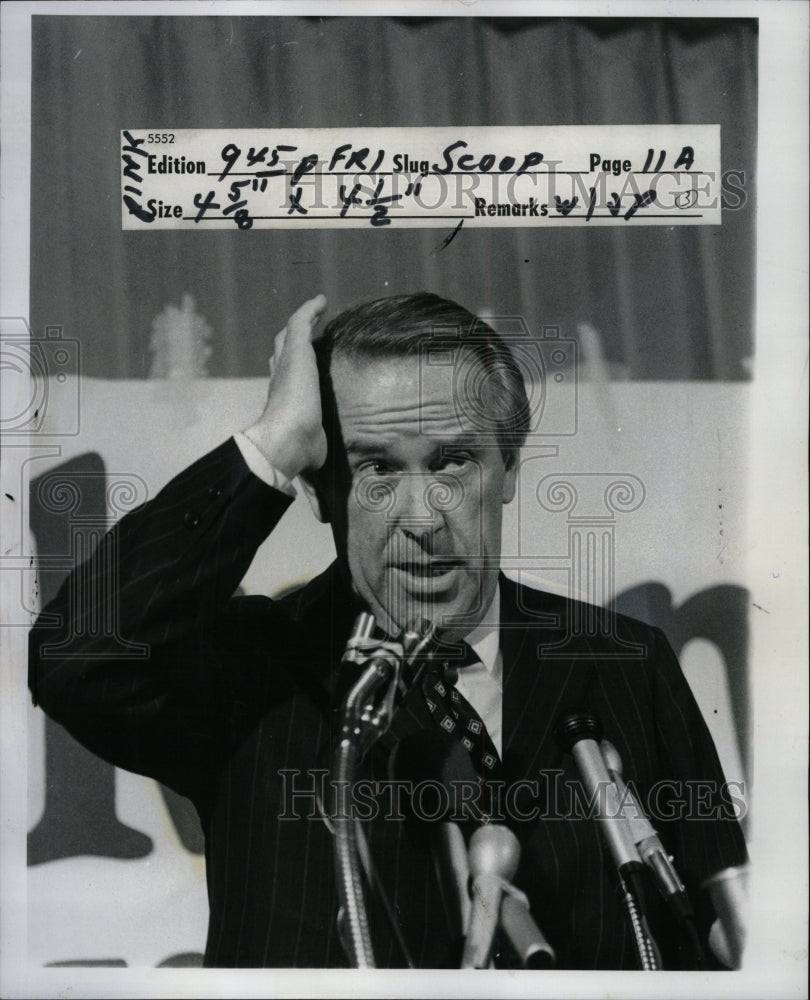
{"x": 68, "y": 512}
{"x": 718, "y": 614}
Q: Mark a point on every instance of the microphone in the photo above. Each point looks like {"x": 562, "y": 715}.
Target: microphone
{"x": 419, "y": 638}
{"x": 494, "y": 857}
{"x": 379, "y": 671}
{"x": 630, "y": 836}
{"x": 439, "y": 759}
{"x": 493, "y": 860}
{"x": 525, "y": 936}
{"x": 579, "y": 733}
{"x": 647, "y": 841}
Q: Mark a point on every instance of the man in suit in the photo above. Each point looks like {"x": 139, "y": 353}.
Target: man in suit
{"x": 231, "y": 701}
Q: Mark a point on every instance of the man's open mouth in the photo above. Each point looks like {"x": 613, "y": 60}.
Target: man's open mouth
{"x": 425, "y": 569}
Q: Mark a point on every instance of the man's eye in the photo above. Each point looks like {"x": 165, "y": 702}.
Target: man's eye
{"x": 451, "y": 462}
{"x": 375, "y": 467}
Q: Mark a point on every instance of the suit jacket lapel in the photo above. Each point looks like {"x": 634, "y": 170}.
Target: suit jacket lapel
{"x": 537, "y": 685}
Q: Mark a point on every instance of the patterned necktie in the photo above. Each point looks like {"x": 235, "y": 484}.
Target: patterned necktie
{"x": 452, "y": 713}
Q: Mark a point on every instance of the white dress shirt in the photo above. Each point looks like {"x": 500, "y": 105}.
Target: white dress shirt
{"x": 482, "y": 683}
{"x": 260, "y": 467}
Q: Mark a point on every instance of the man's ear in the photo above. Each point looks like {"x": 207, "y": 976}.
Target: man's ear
{"x": 510, "y": 481}
{"x": 316, "y": 499}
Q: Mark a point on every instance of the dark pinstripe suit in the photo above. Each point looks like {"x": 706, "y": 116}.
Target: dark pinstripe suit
{"x": 236, "y": 690}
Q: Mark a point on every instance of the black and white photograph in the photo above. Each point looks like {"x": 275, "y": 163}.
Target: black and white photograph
{"x": 404, "y": 503}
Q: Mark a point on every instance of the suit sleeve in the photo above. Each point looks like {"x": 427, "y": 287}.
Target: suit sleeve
{"x": 700, "y": 811}
{"x": 132, "y": 655}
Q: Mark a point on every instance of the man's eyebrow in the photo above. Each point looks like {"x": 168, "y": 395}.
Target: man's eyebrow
{"x": 461, "y": 441}
{"x": 363, "y": 447}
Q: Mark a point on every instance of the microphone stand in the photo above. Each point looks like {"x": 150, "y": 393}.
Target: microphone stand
{"x": 366, "y": 714}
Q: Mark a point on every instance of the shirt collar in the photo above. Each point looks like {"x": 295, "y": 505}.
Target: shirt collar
{"x": 485, "y": 637}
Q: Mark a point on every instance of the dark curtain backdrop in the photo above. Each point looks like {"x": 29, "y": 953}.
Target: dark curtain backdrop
{"x": 669, "y": 303}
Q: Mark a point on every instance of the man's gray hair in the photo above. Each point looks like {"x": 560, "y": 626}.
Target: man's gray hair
{"x": 407, "y": 325}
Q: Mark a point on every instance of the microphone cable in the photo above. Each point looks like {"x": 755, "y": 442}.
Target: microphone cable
{"x": 633, "y": 898}
{"x": 369, "y": 870}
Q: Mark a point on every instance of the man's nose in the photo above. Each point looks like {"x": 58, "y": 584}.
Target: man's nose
{"x": 422, "y": 503}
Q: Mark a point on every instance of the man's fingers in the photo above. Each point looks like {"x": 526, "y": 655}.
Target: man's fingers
{"x": 302, "y": 322}
{"x": 278, "y": 346}
{"x": 298, "y": 332}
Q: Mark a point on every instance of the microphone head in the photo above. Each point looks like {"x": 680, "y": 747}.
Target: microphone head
{"x": 494, "y": 850}
{"x": 417, "y": 638}
{"x": 576, "y": 725}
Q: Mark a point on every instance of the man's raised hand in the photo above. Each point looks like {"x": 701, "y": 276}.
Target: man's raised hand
{"x": 289, "y": 432}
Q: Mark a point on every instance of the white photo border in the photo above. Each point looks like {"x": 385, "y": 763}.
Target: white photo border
{"x": 776, "y": 962}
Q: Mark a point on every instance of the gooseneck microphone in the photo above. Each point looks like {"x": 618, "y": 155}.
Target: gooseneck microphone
{"x": 365, "y": 714}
